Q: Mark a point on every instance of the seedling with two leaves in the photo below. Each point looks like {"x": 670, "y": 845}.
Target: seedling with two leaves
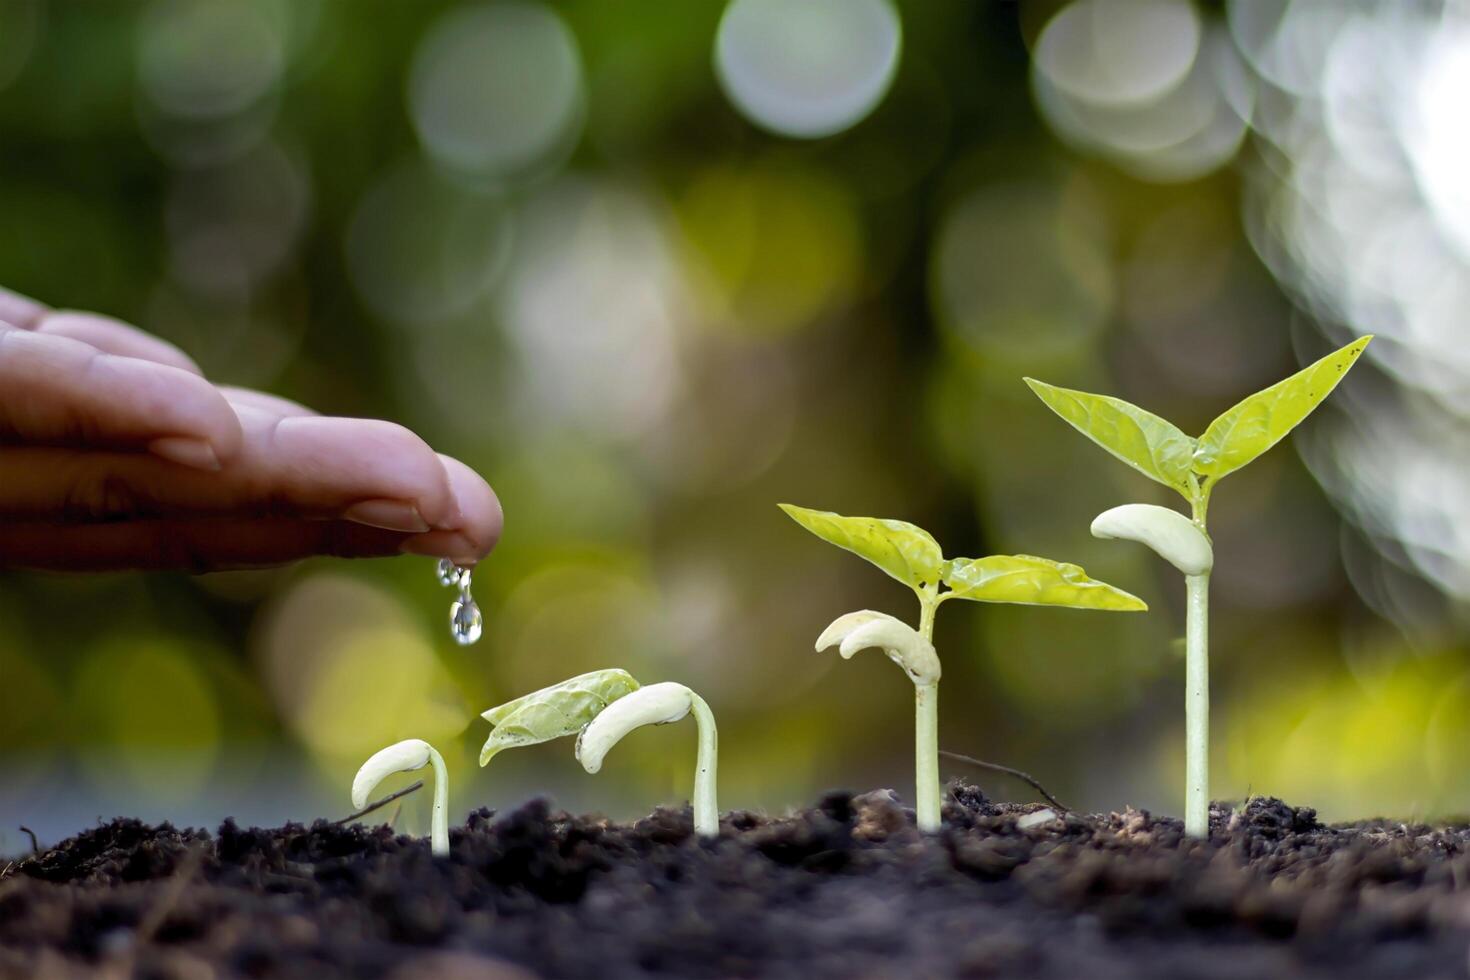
{"x": 1192, "y": 467}
{"x": 912, "y": 556}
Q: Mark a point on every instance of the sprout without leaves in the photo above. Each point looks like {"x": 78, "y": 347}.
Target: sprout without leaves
{"x": 660, "y": 704}
{"x": 406, "y": 756}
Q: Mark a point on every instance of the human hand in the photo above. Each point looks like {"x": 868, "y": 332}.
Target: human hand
{"x": 116, "y": 453}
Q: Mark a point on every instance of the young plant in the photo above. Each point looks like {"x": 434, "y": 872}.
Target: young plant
{"x": 406, "y": 756}
{"x": 555, "y": 711}
{"x": 911, "y": 555}
{"x": 1160, "y": 451}
{"x": 660, "y": 704}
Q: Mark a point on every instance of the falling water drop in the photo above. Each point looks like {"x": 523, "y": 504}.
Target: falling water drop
{"x": 465, "y": 622}
{"x": 449, "y": 572}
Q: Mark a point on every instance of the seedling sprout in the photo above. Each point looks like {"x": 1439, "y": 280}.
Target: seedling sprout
{"x": 555, "y": 711}
{"x": 1162, "y": 452}
{"x": 600, "y": 708}
{"x": 660, "y": 704}
{"x": 911, "y": 555}
{"x": 406, "y": 756}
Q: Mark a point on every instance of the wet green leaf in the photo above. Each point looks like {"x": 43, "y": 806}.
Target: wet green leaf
{"x": 1153, "y": 446}
{"x": 905, "y": 551}
{"x": 1033, "y": 581}
{"x": 1262, "y": 420}
{"x": 561, "y": 709}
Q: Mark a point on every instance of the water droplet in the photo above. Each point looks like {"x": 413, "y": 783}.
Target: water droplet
{"x": 449, "y": 572}
{"x": 465, "y": 621}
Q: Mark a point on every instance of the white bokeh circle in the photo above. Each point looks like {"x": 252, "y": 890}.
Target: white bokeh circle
{"x": 810, "y": 68}
{"x": 496, "y": 90}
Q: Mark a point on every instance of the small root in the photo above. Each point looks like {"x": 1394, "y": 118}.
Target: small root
{"x": 1018, "y": 774}
{"x": 379, "y": 804}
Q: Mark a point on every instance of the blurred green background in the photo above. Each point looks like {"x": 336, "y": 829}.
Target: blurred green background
{"x": 652, "y": 268}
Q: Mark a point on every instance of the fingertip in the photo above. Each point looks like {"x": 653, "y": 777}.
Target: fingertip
{"x": 363, "y": 459}
{"x": 479, "y": 517}
{"x": 213, "y": 419}
{"x": 186, "y": 451}
{"x": 19, "y": 311}
{"x": 444, "y": 544}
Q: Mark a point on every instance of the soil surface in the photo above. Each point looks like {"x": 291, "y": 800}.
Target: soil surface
{"x": 848, "y": 889}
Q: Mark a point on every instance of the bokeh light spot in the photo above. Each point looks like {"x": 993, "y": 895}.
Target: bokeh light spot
{"x": 350, "y": 671}
{"x": 1022, "y": 271}
{"x": 421, "y": 249}
{"x": 591, "y": 303}
{"x": 1438, "y": 139}
{"x": 231, "y": 227}
{"x": 208, "y": 59}
{"x": 1148, "y": 85}
{"x": 807, "y": 69}
{"x": 497, "y": 89}
{"x": 778, "y": 246}
{"x": 1115, "y": 53}
{"x": 147, "y": 715}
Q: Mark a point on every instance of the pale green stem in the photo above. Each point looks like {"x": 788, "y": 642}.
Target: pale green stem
{"x": 927, "y": 798}
{"x": 1197, "y": 681}
{"x": 438, "y": 817}
{"x": 1199, "y": 500}
{"x": 1197, "y": 706}
{"x": 706, "y": 806}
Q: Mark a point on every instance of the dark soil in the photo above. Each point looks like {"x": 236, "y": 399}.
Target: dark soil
{"x": 848, "y": 890}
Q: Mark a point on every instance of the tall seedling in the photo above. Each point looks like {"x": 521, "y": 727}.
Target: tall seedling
{"x": 1160, "y": 451}
{"x": 911, "y": 555}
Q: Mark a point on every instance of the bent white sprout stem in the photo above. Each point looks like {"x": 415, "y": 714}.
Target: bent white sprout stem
{"x": 660, "y": 704}
{"x": 1183, "y": 544}
{"x": 914, "y": 652}
{"x": 406, "y": 756}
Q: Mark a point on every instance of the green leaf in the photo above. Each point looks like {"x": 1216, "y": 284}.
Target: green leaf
{"x": 1033, "y": 581}
{"x": 903, "y": 550}
{"x": 561, "y": 709}
{"x": 1262, "y": 420}
{"x": 1153, "y": 446}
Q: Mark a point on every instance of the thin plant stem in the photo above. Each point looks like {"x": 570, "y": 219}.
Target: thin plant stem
{"x": 1197, "y": 679}
{"x": 439, "y": 817}
{"x": 706, "y": 806}
{"x": 927, "y": 798}
{"x": 1197, "y": 706}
